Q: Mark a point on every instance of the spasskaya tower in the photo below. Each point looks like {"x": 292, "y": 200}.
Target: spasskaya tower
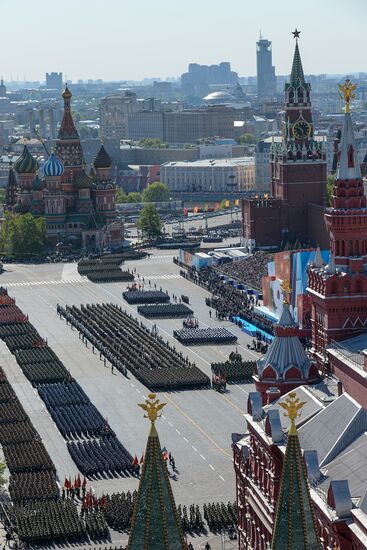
{"x": 292, "y": 214}
{"x": 298, "y": 160}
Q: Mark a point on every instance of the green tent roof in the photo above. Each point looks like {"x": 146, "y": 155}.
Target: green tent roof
{"x": 295, "y": 523}
{"x": 155, "y": 522}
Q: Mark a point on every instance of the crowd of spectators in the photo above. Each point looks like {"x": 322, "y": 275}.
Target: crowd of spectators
{"x": 228, "y": 301}
{"x": 250, "y": 270}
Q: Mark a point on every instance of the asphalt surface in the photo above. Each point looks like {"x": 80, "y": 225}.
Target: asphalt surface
{"x": 196, "y": 425}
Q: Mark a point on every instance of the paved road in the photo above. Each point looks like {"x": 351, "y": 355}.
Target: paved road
{"x": 196, "y": 426}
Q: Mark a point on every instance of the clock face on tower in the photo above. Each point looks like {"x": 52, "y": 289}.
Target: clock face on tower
{"x": 301, "y": 129}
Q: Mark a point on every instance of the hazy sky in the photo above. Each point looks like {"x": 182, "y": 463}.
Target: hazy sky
{"x": 132, "y": 39}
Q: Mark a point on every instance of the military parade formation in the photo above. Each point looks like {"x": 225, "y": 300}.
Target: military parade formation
{"x": 154, "y": 362}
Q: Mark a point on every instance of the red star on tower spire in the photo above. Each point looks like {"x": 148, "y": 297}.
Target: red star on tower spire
{"x": 296, "y": 33}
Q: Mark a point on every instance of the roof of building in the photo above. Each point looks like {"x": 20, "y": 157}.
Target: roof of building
{"x": 218, "y": 96}
{"x": 295, "y": 523}
{"x": 155, "y": 524}
{"x": 348, "y": 168}
{"x": 26, "y": 163}
{"x": 212, "y": 163}
{"x": 351, "y": 463}
{"x": 37, "y": 184}
{"x": 350, "y": 349}
{"x": 286, "y": 350}
{"x": 333, "y": 428}
{"x": 53, "y": 167}
{"x": 297, "y": 77}
{"x": 82, "y": 181}
{"x": 67, "y": 128}
{"x": 102, "y": 159}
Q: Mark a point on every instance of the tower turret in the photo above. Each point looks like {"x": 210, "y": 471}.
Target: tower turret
{"x": 295, "y": 522}
{"x": 338, "y": 291}
{"x": 26, "y": 167}
{"x": 54, "y": 197}
{"x": 155, "y": 524}
{"x": 104, "y": 189}
{"x": 11, "y": 190}
{"x": 286, "y": 365}
{"x": 68, "y": 147}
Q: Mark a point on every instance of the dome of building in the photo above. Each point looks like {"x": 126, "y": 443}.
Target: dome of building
{"x": 53, "y": 167}
{"x": 67, "y": 93}
{"x": 102, "y": 159}
{"x": 83, "y": 181}
{"x": 37, "y": 184}
{"x": 219, "y": 97}
{"x": 26, "y": 163}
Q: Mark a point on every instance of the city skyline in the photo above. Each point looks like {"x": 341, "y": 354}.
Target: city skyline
{"x": 114, "y": 41}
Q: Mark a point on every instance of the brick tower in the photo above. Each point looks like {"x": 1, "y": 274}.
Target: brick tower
{"x": 298, "y": 171}
{"x": 298, "y": 162}
{"x": 338, "y": 291}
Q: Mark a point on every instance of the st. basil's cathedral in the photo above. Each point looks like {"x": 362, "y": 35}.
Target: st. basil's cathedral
{"x": 78, "y": 208}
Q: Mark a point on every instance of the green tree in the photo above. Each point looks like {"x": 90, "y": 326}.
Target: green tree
{"x": 330, "y": 187}
{"x": 134, "y": 197}
{"x": 120, "y": 196}
{"x": 22, "y": 234}
{"x": 2, "y": 195}
{"x": 246, "y": 138}
{"x": 156, "y": 192}
{"x": 153, "y": 143}
{"x": 149, "y": 221}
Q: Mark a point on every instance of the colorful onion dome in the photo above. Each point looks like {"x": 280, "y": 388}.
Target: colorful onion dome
{"x": 26, "y": 163}
{"x": 83, "y": 181}
{"x": 37, "y": 184}
{"x": 102, "y": 159}
{"x": 53, "y": 167}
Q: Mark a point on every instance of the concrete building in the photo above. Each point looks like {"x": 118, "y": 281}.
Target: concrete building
{"x": 145, "y": 124}
{"x": 198, "y": 78}
{"x": 54, "y": 81}
{"x": 266, "y": 82}
{"x": 194, "y": 124}
{"x": 113, "y": 114}
{"x": 214, "y": 176}
{"x": 262, "y": 167}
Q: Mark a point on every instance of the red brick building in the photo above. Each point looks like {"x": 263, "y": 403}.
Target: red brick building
{"x": 298, "y": 168}
{"x": 338, "y": 291}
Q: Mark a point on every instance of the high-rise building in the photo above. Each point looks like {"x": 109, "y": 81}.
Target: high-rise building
{"x": 113, "y": 114}
{"x": 54, "y": 81}
{"x": 198, "y": 78}
{"x": 266, "y": 82}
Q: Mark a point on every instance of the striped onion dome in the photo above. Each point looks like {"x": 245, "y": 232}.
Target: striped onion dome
{"x": 53, "y": 167}
{"x": 26, "y": 163}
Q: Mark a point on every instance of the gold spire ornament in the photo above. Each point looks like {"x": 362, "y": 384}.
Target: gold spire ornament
{"x": 347, "y": 92}
{"x": 292, "y": 405}
{"x": 286, "y": 290}
{"x": 152, "y": 406}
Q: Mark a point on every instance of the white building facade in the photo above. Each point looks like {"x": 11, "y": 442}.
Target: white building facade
{"x": 210, "y": 175}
